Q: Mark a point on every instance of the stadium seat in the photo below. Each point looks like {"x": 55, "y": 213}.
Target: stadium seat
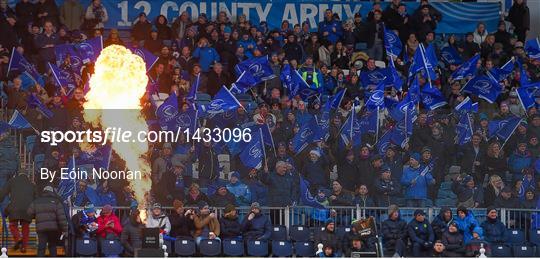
{"x": 523, "y": 251}
{"x": 184, "y": 247}
{"x": 279, "y": 232}
{"x": 299, "y": 233}
{"x": 282, "y": 248}
{"x": 257, "y": 248}
{"x": 233, "y": 247}
{"x": 501, "y": 251}
{"x": 86, "y": 247}
{"x": 304, "y": 249}
{"x": 516, "y": 236}
{"x": 111, "y": 248}
{"x": 316, "y": 230}
{"x": 342, "y": 231}
{"x": 210, "y": 247}
{"x": 534, "y": 237}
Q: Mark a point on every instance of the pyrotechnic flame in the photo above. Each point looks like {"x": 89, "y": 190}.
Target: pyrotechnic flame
{"x": 118, "y": 83}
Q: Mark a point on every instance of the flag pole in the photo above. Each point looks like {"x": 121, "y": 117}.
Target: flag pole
{"x": 377, "y": 129}
{"x": 263, "y": 148}
{"x": 352, "y": 122}
{"x": 506, "y": 140}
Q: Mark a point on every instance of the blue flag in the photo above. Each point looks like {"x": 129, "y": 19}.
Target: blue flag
{"x": 306, "y": 197}
{"x": 253, "y": 153}
{"x": 450, "y": 56}
{"x": 351, "y": 133}
{"x": 90, "y": 49}
{"x": 432, "y": 98}
{"x": 464, "y": 130}
{"x": 296, "y": 84}
{"x": 369, "y": 122}
{"x": 466, "y": 106}
{"x": 376, "y": 98}
{"x": 223, "y": 101}
{"x": 18, "y": 121}
{"x": 99, "y": 158}
{"x": 405, "y": 108}
{"x": 63, "y": 51}
{"x": 244, "y": 82}
{"x": 63, "y": 78}
{"x": 167, "y": 112}
{"x": 192, "y": 94}
{"x": 523, "y": 77}
{"x": 425, "y": 61}
{"x": 335, "y": 100}
{"x": 414, "y": 94}
{"x": 35, "y": 103}
{"x": 392, "y": 43}
{"x": 372, "y": 78}
{"x": 66, "y": 187}
{"x": 532, "y": 47}
{"x": 525, "y": 95}
{"x": 322, "y": 124}
{"x": 399, "y": 137}
{"x": 225, "y": 119}
{"x": 17, "y": 63}
{"x": 393, "y": 79}
{"x": 483, "y": 86}
{"x": 149, "y": 58}
{"x": 503, "y": 129}
{"x": 258, "y": 67}
{"x": 384, "y": 142}
{"x": 466, "y": 69}
{"x": 303, "y": 137}
{"x": 499, "y": 74}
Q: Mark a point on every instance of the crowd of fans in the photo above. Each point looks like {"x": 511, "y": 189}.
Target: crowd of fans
{"x": 331, "y": 57}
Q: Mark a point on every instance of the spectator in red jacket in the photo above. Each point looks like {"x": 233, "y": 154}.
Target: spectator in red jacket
{"x": 109, "y": 226}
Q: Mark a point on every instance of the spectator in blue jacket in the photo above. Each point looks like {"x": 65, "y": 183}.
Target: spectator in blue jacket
{"x": 421, "y": 234}
{"x": 315, "y": 170}
{"x": 330, "y": 29}
{"x": 494, "y": 229}
{"x": 256, "y": 225}
{"x": 416, "y": 180}
{"x": 466, "y": 223}
{"x": 207, "y": 55}
{"x": 248, "y": 44}
{"x": 259, "y": 191}
{"x": 239, "y": 190}
{"x": 282, "y": 185}
{"x": 106, "y": 196}
{"x": 519, "y": 160}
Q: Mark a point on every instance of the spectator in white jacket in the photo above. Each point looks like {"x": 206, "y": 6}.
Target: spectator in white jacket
{"x": 158, "y": 219}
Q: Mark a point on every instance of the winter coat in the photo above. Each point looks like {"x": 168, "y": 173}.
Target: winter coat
{"x": 315, "y": 173}
{"x": 208, "y": 163}
{"x": 103, "y": 230}
{"x": 420, "y": 232}
{"x": 439, "y": 224}
{"x": 466, "y": 195}
{"x": 259, "y": 228}
{"x": 455, "y": 246}
{"x": 344, "y": 198}
{"x": 141, "y": 30}
{"x": 241, "y": 193}
{"x": 519, "y": 16}
{"x": 217, "y": 200}
{"x": 419, "y": 189}
{"x": 467, "y": 156}
{"x": 205, "y": 221}
{"x": 518, "y": 161}
{"x": 393, "y": 230}
{"x": 259, "y": 191}
{"x": 207, "y": 56}
{"x": 494, "y": 231}
{"x": 194, "y": 201}
{"x": 21, "y": 193}
{"x": 230, "y": 228}
{"x": 386, "y": 192}
{"x": 329, "y": 26}
{"x": 49, "y": 213}
{"x": 131, "y": 236}
{"x": 512, "y": 202}
{"x": 71, "y": 14}
{"x": 162, "y": 222}
{"x": 348, "y": 172}
{"x": 466, "y": 225}
{"x": 180, "y": 225}
{"x": 328, "y": 238}
{"x": 282, "y": 189}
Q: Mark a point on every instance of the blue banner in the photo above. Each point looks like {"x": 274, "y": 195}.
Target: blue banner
{"x": 456, "y": 17}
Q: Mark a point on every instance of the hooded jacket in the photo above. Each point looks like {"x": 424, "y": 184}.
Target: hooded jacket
{"x": 259, "y": 228}
{"x": 103, "y": 230}
{"x": 162, "y": 222}
{"x": 455, "y": 246}
{"x": 439, "y": 224}
{"x": 495, "y": 231}
{"x": 466, "y": 225}
{"x": 49, "y": 213}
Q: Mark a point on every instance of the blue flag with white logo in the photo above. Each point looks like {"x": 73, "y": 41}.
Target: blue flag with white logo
{"x": 306, "y": 197}
{"x": 193, "y": 89}
{"x": 450, "y": 56}
{"x": 484, "y": 87}
{"x": 432, "y": 98}
{"x": 526, "y": 96}
{"x": 335, "y": 100}
{"x": 223, "y": 101}
{"x": 63, "y": 78}
{"x": 351, "y": 133}
{"x": 258, "y": 67}
{"x": 35, "y": 103}
{"x": 100, "y": 157}
{"x": 384, "y": 142}
{"x": 466, "y": 69}
{"x": 464, "y": 130}
{"x": 372, "y": 78}
{"x": 524, "y": 79}
{"x": 253, "y": 153}
{"x": 466, "y": 106}
{"x": 424, "y": 61}
{"x": 532, "y": 47}
{"x": 503, "y": 129}
{"x": 322, "y": 123}
{"x": 500, "y": 74}
{"x": 303, "y": 137}
{"x": 245, "y": 81}
{"x": 368, "y": 122}
{"x": 17, "y": 63}
{"x": 90, "y": 49}
{"x": 149, "y": 58}
{"x": 393, "y": 79}
{"x": 66, "y": 187}
{"x": 376, "y": 98}
{"x": 167, "y": 112}
{"x": 18, "y": 121}
{"x": 392, "y": 43}
{"x": 63, "y": 51}
{"x": 296, "y": 84}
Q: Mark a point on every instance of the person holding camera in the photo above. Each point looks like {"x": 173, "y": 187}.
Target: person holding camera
{"x": 256, "y": 225}
{"x": 421, "y": 234}
{"x": 181, "y": 220}
{"x": 206, "y": 224}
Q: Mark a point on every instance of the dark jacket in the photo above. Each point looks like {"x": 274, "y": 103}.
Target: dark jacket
{"x": 49, "y": 213}
{"x": 519, "y": 16}
{"x": 217, "y": 200}
{"x": 216, "y": 81}
{"x": 464, "y": 193}
{"x": 230, "y": 228}
{"x": 467, "y": 156}
{"x": 21, "y": 193}
{"x": 393, "y": 230}
{"x": 348, "y": 173}
{"x": 420, "y": 232}
{"x": 439, "y": 224}
{"x": 282, "y": 189}
{"x": 328, "y": 238}
{"x": 259, "y": 228}
{"x": 131, "y": 236}
{"x": 180, "y": 225}
{"x": 494, "y": 231}
{"x": 455, "y": 246}
{"x": 386, "y": 192}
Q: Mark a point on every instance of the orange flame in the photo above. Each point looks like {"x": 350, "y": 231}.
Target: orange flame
{"x": 118, "y": 83}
